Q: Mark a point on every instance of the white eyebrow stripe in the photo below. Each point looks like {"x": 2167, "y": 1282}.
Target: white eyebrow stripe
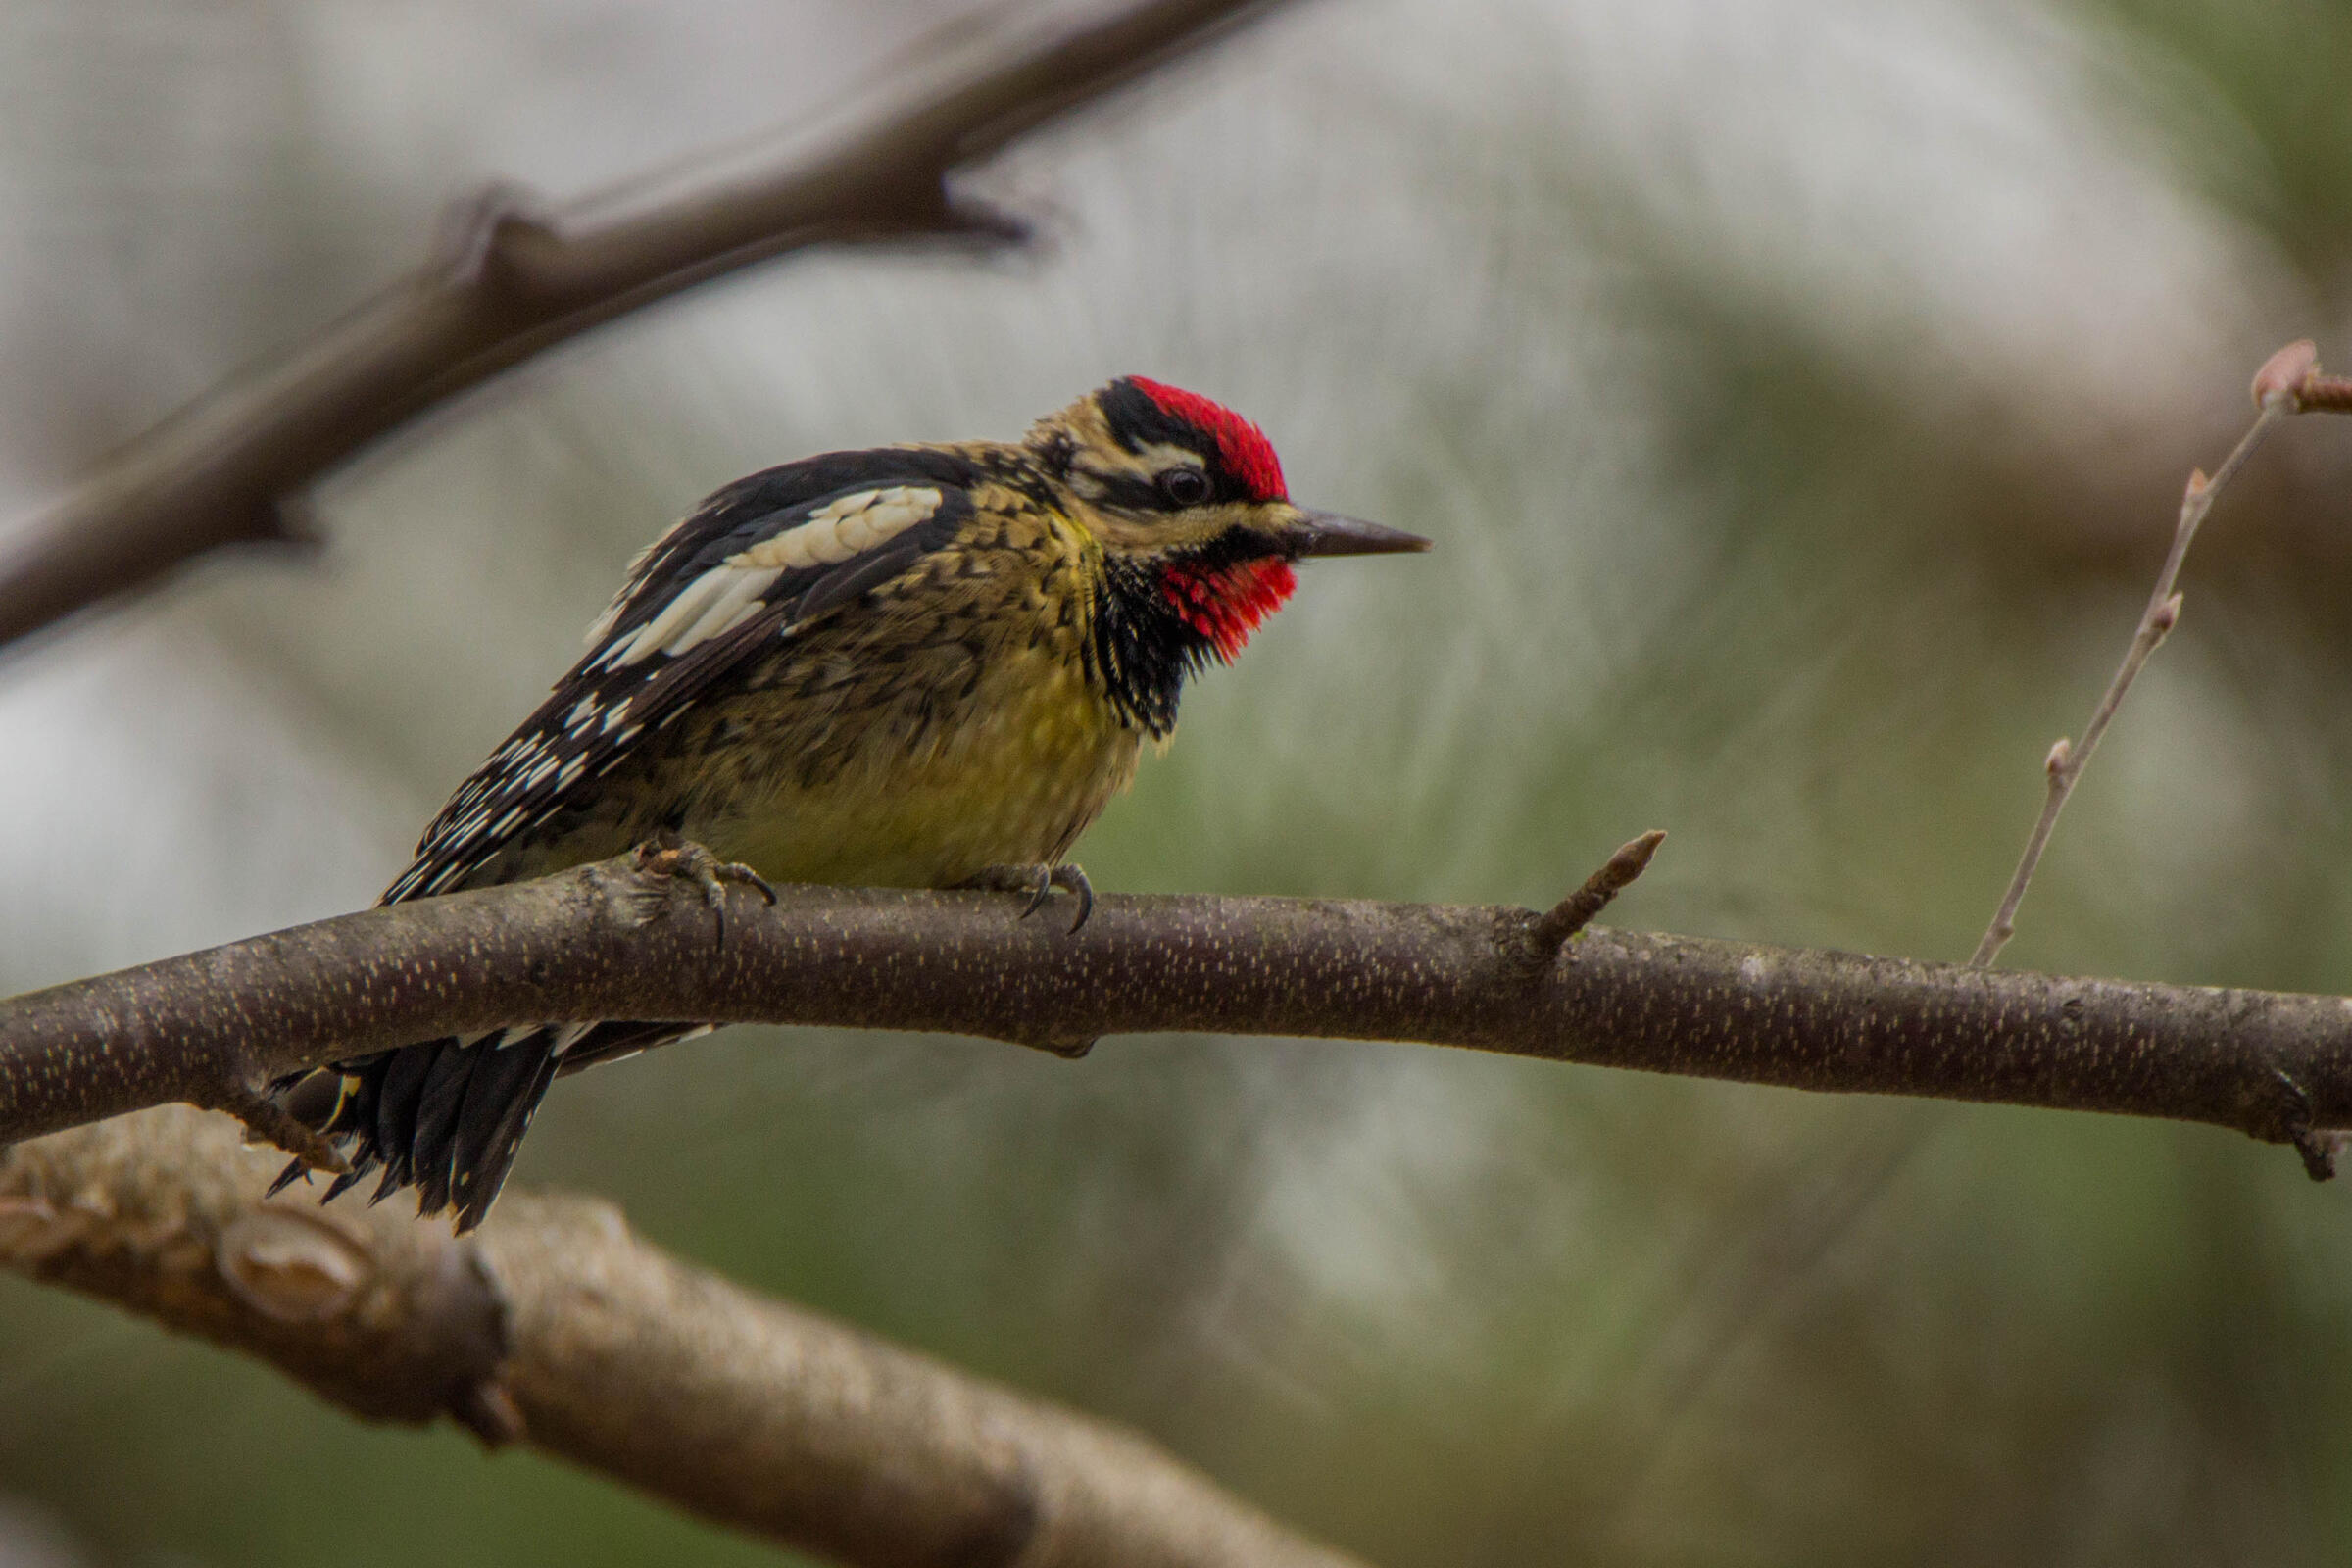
{"x": 1154, "y": 459}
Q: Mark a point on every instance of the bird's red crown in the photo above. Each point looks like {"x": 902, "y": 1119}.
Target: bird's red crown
{"x": 1242, "y": 447}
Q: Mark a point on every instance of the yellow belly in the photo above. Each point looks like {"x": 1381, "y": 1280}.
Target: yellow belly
{"x": 1013, "y": 778}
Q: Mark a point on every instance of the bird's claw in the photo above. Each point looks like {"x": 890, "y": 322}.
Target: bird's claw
{"x": 1044, "y": 891}
{"x": 1039, "y": 882}
{"x": 674, "y": 857}
{"x": 736, "y": 872}
{"x": 269, "y": 1122}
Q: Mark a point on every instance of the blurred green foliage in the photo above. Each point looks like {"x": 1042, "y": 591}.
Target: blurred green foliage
{"x": 1799, "y": 394}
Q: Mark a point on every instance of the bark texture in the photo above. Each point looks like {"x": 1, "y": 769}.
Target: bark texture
{"x": 612, "y": 940}
{"x": 557, "y": 1325}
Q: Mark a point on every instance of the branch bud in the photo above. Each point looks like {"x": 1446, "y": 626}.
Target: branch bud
{"x": 2165, "y": 616}
{"x": 2062, "y": 753}
{"x": 2283, "y": 374}
{"x": 2196, "y": 484}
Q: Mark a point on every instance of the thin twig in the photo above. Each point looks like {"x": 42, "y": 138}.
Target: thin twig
{"x": 2289, "y": 383}
{"x": 1579, "y": 910}
{"x": 556, "y": 1326}
{"x": 604, "y": 941}
{"x": 507, "y": 282}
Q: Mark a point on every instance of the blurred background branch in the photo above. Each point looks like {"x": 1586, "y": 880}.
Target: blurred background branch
{"x": 507, "y": 282}
{"x": 614, "y": 939}
{"x": 557, "y": 1325}
{"x": 2289, "y": 383}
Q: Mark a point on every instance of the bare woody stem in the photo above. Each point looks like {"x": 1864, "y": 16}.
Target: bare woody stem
{"x": 507, "y": 283}
{"x": 555, "y": 1325}
{"x": 2289, "y": 383}
{"x": 1579, "y": 910}
{"x": 609, "y": 941}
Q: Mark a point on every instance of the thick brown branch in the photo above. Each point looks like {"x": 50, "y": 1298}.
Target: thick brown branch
{"x": 609, "y": 941}
{"x": 505, "y": 284}
{"x": 557, "y": 1325}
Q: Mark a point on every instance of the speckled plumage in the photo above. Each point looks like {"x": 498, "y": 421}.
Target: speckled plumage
{"x": 899, "y": 668}
{"x": 949, "y": 724}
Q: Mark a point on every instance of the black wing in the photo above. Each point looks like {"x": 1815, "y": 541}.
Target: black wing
{"x": 755, "y": 562}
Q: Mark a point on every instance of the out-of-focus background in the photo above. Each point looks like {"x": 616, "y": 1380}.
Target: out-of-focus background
{"x": 1799, "y": 394}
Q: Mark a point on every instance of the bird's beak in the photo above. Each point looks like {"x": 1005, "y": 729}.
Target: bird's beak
{"x": 1327, "y": 533}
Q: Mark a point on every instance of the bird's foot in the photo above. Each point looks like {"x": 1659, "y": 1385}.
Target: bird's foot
{"x": 1039, "y": 882}
{"x": 266, "y": 1121}
{"x": 669, "y": 854}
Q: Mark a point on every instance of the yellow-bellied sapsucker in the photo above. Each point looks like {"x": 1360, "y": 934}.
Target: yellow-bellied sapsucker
{"x": 915, "y": 666}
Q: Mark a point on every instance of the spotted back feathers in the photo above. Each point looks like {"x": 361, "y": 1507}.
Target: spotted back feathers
{"x": 756, "y": 561}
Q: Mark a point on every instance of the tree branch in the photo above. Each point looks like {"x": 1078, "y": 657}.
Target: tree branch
{"x": 505, "y": 284}
{"x": 2289, "y": 383}
{"x": 611, "y": 940}
{"x": 555, "y": 1325}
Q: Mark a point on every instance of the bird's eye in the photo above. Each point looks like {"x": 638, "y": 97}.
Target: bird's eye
{"x": 1184, "y": 487}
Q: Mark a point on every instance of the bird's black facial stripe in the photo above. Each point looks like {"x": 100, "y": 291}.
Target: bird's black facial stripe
{"x": 1142, "y": 648}
{"x": 1137, "y": 422}
{"x": 1128, "y": 493}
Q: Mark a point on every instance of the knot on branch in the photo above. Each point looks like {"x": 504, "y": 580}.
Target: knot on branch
{"x": 919, "y": 203}
{"x": 985, "y": 224}
{"x": 1069, "y": 1048}
{"x": 291, "y": 1266}
{"x": 2319, "y": 1147}
{"x": 393, "y": 1320}
{"x": 484, "y": 239}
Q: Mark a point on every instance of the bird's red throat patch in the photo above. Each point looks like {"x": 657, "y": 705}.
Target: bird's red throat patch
{"x": 1242, "y": 447}
{"x": 1226, "y": 604}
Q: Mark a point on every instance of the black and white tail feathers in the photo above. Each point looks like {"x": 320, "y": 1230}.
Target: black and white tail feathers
{"x": 446, "y": 1115}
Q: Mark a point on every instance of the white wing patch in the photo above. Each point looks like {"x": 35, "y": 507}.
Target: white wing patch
{"x": 840, "y": 529}
{"x": 633, "y": 680}
{"x": 734, "y": 591}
